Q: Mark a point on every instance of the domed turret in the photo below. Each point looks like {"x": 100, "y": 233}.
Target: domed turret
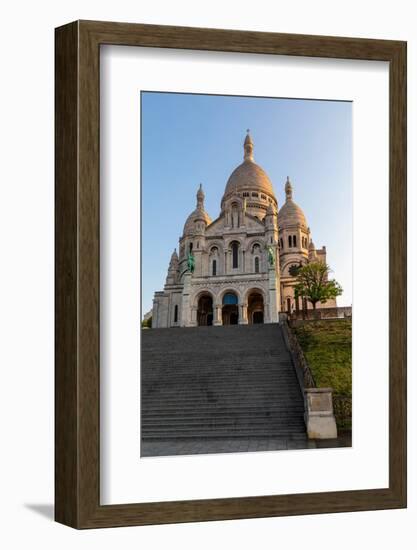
{"x": 173, "y": 264}
{"x": 312, "y": 254}
{"x": 290, "y": 214}
{"x": 172, "y": 275}
{"x": 250, "y": 181}
{"x": 198, "y": 219}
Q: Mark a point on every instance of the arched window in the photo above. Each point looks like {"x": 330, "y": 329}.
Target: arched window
{"x": 191, "y": 247}
{"x": 235, "y": 255}
{"x": 282, "y": 244}
{"x": 289, "y": 241}
{"x": 256, "y": 264}
{"x": 214, "y": 268}
{"x": 176, "y": 314}
{"x": 294, "y": 240}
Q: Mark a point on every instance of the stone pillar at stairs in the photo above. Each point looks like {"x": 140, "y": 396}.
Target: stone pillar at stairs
{"x": 273, "y": 294}
{"x": 217, "y": 318}
{"x": 186, "y": 306}
{"x": 243, "y": 314}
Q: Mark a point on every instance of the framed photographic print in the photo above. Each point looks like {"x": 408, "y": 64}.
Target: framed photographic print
{"x": 230, "y": 274}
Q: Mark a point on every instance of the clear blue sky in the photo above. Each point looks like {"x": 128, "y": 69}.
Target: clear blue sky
{"x": 191, "y": 139}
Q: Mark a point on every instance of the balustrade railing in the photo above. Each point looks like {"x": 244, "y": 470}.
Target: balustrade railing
{"x": 304, "y": 374}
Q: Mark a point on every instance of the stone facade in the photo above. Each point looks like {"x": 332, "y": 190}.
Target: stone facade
{"x": 237, "y": 268}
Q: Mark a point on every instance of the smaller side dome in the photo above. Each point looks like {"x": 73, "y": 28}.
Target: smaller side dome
{"x": 198, "y": 215}
{"x": 312, "y": 254}
{"x": 290, "y": 213}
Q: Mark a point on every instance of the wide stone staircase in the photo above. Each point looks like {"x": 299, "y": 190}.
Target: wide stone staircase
{"x": 219, "y": 382}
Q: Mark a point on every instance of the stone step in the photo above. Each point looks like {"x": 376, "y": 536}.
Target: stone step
{"x": 218, "y": 434}
{"x": 197, "y": 427}
{"x": 214, "y": 403}
{"x": 285, "y": 390}
{"x": 244, "y": 413}
{"x": 210, "y": 394}
{"x": 267, "y": 370}
{"x": 216, "y": 409}
{"x": 207, "y": 409}
{"x": 221, "y": 365}
{"x": 253, "y": 437}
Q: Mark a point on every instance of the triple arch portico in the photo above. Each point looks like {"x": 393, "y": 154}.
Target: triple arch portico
{"x": 229, "y": 307}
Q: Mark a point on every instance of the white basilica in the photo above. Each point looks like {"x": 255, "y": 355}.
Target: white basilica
{"x": 240, "y": 267}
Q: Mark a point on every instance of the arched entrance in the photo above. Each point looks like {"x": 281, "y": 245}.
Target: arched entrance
{"x": 255, "y": 308}
{"x": 205, "y": 311}
{"x": 230, "y": 311}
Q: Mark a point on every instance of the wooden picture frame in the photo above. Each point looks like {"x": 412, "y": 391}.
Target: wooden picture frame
{"x": 77, "y": 374}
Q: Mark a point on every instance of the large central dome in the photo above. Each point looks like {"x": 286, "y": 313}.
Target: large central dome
{"x": 248, "y": 176}
{"x": 250, "y": 181}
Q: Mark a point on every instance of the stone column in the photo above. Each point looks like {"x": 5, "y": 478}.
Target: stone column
{"x": 273, "y": 294}
{"x": 266, "y": 313}
{"x": 194, "y": 322}
{"x": 243, "y": 314}
{"x": 217, "y": 318}
{"x": 185, "y": 306}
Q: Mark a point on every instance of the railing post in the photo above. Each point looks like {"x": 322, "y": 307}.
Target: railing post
{"x": 319, "y": 416}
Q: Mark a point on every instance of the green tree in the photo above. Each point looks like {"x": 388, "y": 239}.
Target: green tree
{"x": 147, "y": 323}
{"x": 313, "y": 284}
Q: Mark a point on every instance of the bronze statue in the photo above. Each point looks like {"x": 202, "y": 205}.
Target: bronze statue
{"x": 271, "y": 255}
{"x": 191, "y": 262}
